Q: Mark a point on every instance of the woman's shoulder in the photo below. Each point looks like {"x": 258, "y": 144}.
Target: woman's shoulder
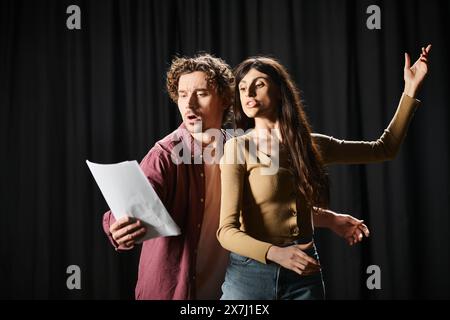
{"x": 239, "y": 139}
{"x": 236, "y": 149}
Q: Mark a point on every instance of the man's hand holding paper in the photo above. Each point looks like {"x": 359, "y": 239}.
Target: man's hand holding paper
{"x": 139, "y": 213}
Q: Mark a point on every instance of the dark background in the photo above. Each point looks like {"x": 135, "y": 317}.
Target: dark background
{"x": 98, "y": 93}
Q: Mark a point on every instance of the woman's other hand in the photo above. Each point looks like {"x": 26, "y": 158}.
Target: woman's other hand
{"x": 415, "y": 74}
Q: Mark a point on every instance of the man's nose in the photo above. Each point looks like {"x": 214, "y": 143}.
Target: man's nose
{"x": 192, "y": 102}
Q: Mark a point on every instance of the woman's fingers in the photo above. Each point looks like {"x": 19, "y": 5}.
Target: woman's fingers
{"x": 297, "y": 270}
{"x": 303, "y": 269}
{"x": 307, "y": 258}
{"x": 407, "y": 61}
{"x": 424, "y": 54}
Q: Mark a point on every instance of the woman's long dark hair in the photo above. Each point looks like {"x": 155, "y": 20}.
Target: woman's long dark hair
{"x": 309, "y": 172}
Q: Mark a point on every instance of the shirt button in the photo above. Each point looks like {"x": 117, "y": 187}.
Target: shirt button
{"x": 198, "y": 226}
{"x": 201, "y": 200}
{"x": 201, "y": 174}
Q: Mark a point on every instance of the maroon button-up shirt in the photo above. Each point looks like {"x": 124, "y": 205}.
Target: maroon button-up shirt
{"x": 167, "y": 264}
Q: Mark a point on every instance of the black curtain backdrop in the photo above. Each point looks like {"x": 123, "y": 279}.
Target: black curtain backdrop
{"x": 98, "y": 93}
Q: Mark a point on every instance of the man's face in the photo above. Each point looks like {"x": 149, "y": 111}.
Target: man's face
{"x": 200, "y": 105}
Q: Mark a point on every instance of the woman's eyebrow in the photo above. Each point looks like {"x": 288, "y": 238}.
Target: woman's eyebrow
{"x": 253, "y": 80}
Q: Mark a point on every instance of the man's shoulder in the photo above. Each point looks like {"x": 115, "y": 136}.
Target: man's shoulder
{"x": 162, "y": 149}
{"x": 169, "y": 142}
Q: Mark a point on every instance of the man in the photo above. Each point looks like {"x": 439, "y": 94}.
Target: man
{"x": 192, "y": 265}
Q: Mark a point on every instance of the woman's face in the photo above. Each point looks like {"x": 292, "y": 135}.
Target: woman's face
{"x": 260, "y": 96}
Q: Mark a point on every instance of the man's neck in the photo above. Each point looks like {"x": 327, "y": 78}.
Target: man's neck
{"x": 205, "y": 138}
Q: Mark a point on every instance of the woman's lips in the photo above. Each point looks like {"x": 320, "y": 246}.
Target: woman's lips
{"x": 251, "y": 103}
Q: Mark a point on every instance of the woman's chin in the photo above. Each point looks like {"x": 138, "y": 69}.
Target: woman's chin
{"x": 250, "y": 114}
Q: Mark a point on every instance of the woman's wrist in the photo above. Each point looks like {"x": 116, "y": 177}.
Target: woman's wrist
{"x": 410, "y": 90}
{"x": 271, "y": 253}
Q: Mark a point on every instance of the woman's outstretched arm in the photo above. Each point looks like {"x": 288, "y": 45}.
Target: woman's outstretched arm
{"x": 387, "y": 146}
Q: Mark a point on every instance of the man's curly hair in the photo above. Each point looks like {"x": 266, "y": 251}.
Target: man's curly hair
{"x": 218, "y": 74}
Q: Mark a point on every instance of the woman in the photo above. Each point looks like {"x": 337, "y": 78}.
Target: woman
{"x": 266, "y": 219}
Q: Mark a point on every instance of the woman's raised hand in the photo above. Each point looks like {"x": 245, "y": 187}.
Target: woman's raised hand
{"x": 415, "y": 74}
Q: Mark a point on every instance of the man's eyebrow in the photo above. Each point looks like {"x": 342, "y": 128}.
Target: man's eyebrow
{"x": 197, "y": 89}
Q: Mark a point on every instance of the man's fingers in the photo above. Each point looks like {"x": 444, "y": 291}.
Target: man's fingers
{"x": 428, "y": 49}
{"x": 129, "y": 244}
{"x": 126, "y": 230}
{"x": 120, "y": 233}
{"x": 132, "y": 236}
{"x": 355, "y": 236}
{"x": 139, "y": 233}
{"x": 121, "y": 223}
{"x": 364, "y": 229}
{"x": 124, "y": 239}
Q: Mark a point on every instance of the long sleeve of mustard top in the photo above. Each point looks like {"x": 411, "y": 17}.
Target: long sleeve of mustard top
{"x": 260, "y": 210}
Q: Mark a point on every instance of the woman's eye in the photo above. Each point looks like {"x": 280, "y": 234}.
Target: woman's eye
{"x": 260, "y": 85}
{"x": 202, "y": 94}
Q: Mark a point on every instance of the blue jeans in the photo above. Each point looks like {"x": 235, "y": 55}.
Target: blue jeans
{"x": 248, "y": 279}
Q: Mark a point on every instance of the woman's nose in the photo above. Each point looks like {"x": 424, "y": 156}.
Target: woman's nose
{"x": 251, "y": 92}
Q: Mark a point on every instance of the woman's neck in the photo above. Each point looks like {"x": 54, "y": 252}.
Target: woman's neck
{"x": 268, "y": 126}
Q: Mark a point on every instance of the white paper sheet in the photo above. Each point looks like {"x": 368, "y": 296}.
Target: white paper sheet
{"x": 127, "y": 191}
